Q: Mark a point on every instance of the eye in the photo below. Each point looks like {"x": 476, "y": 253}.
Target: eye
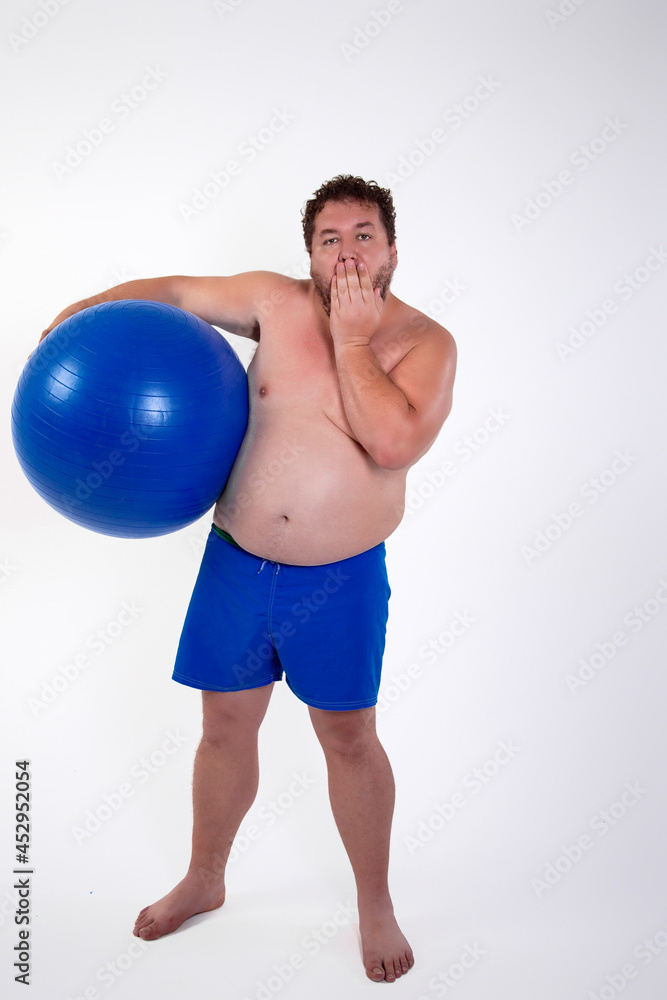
{"x": 330, "y": 240}
{"x": 364, "y": 236}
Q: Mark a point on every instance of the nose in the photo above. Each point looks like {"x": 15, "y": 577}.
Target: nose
{"x": 345, "y": 253}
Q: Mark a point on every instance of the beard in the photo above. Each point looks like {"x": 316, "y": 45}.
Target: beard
{"x": 381, "y": 279}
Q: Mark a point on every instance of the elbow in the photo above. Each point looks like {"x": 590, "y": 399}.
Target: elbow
{"x": 404, "y": 449}
{"x": 397, "y": 447}
{"x": 392, "y": 455}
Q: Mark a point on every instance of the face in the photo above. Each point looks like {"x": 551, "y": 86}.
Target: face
{"x": 350, "y": 230}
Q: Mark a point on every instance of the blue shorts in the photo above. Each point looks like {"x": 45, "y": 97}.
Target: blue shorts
{"x": 250, "y": 619}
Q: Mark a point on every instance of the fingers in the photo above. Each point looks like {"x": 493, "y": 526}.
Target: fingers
{"x": 365, "y": 280}
{"x": 342, "y": 274}
{"x": 353, "y": 279}
{"x": 335, "y": 299}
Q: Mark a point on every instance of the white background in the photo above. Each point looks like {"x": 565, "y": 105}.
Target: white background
{"x": 364, "y": 94}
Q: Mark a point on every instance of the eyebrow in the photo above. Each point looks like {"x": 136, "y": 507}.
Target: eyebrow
{"x": 359, "y": 225}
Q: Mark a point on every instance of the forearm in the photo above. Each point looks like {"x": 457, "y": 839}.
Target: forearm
{"x": 377, "y": 410}
{"x": 154, "y": 289}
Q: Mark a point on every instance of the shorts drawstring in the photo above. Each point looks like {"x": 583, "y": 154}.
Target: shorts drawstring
{"x": 264, "y": 562}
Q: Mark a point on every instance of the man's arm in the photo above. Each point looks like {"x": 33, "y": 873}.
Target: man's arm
{"x": 232, "y": 303}
{"x": 395, "y": 416}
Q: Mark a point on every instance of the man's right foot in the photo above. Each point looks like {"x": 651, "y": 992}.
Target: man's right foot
{"x": 198, "y": 892}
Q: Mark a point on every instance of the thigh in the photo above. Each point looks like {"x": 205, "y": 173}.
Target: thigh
{"x": 344, "y": 732}
{"x": 224, "y": 645}
{"x": 332, "y": 620}
{"x": 228, "y": 710}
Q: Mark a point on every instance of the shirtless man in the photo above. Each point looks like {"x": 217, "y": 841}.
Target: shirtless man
{"x": 348, "y": 387}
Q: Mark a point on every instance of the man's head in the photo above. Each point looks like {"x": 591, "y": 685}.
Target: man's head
{"x": 345, "y": 187}
{"x": 349, "y": 218}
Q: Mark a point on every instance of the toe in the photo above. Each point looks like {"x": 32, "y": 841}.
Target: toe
{"x": 376, "y": 972}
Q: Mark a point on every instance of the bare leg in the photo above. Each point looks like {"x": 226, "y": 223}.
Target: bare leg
{"x": 361, "y": 791}
{"x": 226, "y": 776}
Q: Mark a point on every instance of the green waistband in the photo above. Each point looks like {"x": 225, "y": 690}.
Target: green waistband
{"x": 224, "y": 534}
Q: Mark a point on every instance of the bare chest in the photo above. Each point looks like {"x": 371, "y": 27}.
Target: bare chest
{"x": 294, "y": 368}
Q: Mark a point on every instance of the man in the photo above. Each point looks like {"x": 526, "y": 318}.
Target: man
{"x": 348, "y": 387}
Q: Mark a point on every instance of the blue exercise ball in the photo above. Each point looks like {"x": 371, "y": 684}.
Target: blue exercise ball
{"x": 127, "y": 418}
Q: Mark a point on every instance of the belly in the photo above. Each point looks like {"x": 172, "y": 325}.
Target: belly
{"x": 303, "y": 491}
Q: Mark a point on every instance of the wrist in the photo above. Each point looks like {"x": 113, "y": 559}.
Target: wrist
{"x": 352, "y": 343}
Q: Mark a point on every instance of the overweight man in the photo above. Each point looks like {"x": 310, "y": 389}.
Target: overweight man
{"x": 348, "y": 388}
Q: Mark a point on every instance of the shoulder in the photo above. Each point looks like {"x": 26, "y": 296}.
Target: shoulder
{"x": 278, "y": 289}
{"x": 409, "y": 328}
{"x": 427, "y": 328}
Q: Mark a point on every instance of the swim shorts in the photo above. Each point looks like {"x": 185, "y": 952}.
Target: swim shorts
{"x": 251, "y": 619}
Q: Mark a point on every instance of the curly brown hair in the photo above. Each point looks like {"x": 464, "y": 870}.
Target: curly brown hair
{"x": 345, "y": 187}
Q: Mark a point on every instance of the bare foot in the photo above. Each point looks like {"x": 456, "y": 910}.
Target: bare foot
{"x": 386, "y": 952}
{"x": 196, "y": 893}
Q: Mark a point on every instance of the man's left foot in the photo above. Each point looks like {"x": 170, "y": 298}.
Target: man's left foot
{"x": 386, "y": 952}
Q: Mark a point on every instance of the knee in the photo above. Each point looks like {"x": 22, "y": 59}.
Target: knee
{"x": 347, "y": 733}
{"x": 232, "y": 716}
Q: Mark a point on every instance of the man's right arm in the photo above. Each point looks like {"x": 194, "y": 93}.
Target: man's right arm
{"x": 232, "y": 303}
